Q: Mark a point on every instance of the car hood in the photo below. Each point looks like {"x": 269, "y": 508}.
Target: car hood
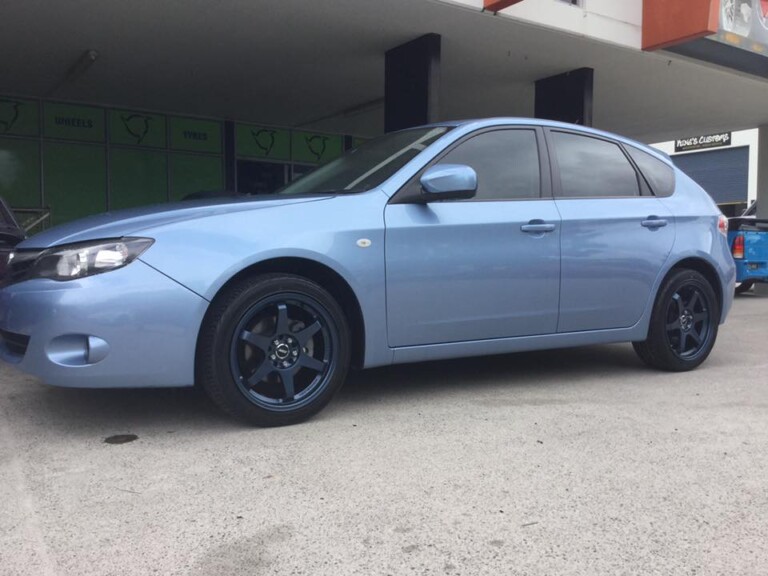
{"x": 133, "y": 221}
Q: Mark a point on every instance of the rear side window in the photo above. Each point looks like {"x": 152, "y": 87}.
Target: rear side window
{"x": 593, "y": 168}
{"x": 506, "y": 162}
{"x": 660, "y": 176}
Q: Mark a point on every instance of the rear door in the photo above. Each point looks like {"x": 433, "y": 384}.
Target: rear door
{"x": 616, "y": 235}
{"x": 483, "y": 268}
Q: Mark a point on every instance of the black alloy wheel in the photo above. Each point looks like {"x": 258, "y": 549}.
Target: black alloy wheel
{"x": 688, "y": 321}
{"x": 282, "y": 351}
{"x": 273, "y": 350}
{"x": 683, "y": 325}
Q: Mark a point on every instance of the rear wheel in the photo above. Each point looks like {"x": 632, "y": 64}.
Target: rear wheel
{"x": 683, "y": 325}
{"x": 745, "y": 286}
{"x": 273, "y": 350}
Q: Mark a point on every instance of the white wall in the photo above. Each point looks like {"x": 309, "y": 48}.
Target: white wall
{"x": 614, "y": 21}
{"x": 740, "y": 138}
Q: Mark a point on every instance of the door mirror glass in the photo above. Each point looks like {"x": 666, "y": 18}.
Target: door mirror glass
{"x": 448, "y": 182}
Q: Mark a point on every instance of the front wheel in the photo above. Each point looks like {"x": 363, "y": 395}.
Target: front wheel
{"x": 273, "y": 349}
{"x": 683, "y": 325}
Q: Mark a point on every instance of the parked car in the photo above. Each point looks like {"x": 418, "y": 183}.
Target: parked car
{"x": 748, "y": 237}
{"x": 455, "y": 239}
{"x": 10, "y": 234}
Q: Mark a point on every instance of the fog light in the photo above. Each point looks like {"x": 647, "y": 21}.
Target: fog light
{"x": 76, "y": 350}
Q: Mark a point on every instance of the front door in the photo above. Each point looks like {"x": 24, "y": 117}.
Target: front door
{"x": 482, "y": 268}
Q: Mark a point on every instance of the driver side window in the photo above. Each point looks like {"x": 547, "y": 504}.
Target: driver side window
{"x": 506, "y": 162}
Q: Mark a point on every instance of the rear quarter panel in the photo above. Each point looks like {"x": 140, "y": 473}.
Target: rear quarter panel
{"x": 697, "y": 236}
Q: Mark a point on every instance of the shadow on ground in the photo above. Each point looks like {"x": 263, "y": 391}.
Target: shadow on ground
{"x": 540, "y": 368}
{"x": 189, "y": 408}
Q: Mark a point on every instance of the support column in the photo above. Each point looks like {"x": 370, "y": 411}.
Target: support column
{"x": 230, "y": 160}
{"x": 412, "y": 83}
{"x": 762, "y": 187}
{"x": 566, "y": 97}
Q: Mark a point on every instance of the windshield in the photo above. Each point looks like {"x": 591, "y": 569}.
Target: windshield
{"x": 367, "y": 166}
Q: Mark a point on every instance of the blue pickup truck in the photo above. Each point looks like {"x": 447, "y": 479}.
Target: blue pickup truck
{"x": 748, "y": 238}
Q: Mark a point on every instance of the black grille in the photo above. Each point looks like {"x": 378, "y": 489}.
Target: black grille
{"x": 16, "y": 343}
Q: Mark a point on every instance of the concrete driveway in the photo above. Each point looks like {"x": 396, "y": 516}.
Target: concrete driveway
{"x": 577, "y": 461}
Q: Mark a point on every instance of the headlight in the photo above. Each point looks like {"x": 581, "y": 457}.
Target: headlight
{"x": 88, "y": 258}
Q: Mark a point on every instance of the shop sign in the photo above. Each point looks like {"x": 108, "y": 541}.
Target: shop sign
{"x": 19, "y": 117}
{"x": 744, "y": 24}
{"x": 702, "y": 142}
{"x": 312, "y": 148}
{"x": 195, "y": 135}
{"x": 83, "y": 123}
{"x": 136, "y": 128}
{"x": 263, "y": 142}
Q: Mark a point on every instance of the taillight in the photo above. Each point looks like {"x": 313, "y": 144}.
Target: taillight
{"x": 737, "y": 249}
{"x": 722, "y": 225}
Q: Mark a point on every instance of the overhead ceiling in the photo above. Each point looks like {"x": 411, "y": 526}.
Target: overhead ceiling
{"x": 320, "y": 64}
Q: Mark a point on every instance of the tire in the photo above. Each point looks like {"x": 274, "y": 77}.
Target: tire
{"x": 273, "y": 349}
{"x": 684, "y": 323}
{"x": 745, "y": 286}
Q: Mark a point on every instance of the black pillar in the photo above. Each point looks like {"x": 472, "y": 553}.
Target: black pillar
{"x": 230, "y": 160}
{"x": 412, "y": 83}
{"x": 566, "y": 97}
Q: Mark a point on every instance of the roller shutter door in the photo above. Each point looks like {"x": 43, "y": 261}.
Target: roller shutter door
{"x": 722, "y": 173}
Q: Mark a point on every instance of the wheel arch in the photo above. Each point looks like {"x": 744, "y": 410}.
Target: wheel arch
{"x": 327, "y": 278}
{"x": 704, "y": 268}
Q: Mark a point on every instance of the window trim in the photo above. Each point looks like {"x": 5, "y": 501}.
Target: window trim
{"x": 405, "y": 195}
{"x": 643, "y": 190}
{"x": 644, "y": 178}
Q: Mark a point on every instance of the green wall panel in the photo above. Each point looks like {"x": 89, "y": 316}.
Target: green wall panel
{"x": 263, "y": 142}
{"x": 84, "y": 123}
{"x": 194, "y": 173}
{"x": 20, "y": 172}
{"x": 137, "y": 128}
{"x": 195, "y": 135}
{"x": 316, "y": 148}
{"x": 75, "y": 180}
{"x": 137, "y": 177}
{"x": 19, "y": 117}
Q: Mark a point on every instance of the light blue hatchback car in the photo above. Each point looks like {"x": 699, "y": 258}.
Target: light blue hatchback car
{"x": 455, "y": 239}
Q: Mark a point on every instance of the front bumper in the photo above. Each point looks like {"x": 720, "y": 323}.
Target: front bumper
{"x": 129, "y": 328}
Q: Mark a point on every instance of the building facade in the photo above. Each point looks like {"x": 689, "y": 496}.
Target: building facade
{"x": 106, "y": 106}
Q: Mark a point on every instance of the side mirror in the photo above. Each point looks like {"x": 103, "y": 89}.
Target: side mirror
{"x": 448, "y": 182}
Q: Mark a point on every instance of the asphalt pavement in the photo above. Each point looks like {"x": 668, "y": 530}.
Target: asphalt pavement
{"x": 577, "y": 461}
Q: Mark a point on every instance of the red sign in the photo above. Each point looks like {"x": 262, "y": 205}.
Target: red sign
{"x": 496, "y": 5}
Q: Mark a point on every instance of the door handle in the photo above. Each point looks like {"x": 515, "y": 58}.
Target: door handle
{"x": 653, "y": 222}
{"x": 537, "y": 227}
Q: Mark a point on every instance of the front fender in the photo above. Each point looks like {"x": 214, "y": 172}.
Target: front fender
{"x": 204, "y": 254}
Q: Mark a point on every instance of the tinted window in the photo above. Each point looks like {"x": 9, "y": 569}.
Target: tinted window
{"x": 660, "y": 176}
{"x": 506, "y": 162}
{"x": 593, "y": 168}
